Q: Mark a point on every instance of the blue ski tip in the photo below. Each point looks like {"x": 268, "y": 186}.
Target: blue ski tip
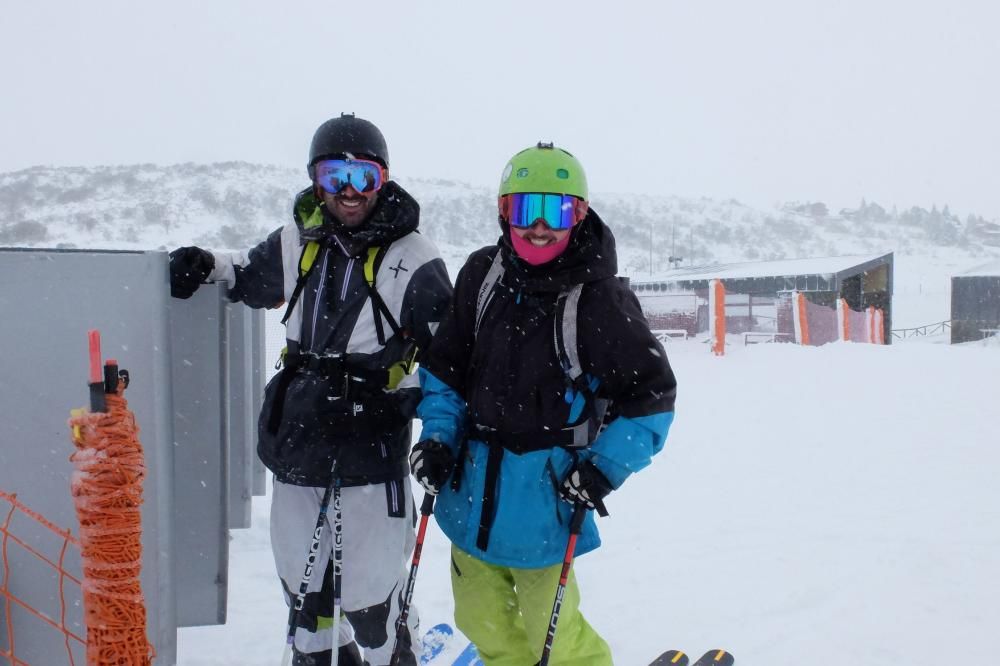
{"x": 434, "y": 642}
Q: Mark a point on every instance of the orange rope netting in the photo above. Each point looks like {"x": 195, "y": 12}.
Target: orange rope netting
{"x": 9, "y": 538}
{"x": 107, "y": 492}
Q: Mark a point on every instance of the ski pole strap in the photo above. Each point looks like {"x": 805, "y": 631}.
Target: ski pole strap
{"x": 427, "y": 506}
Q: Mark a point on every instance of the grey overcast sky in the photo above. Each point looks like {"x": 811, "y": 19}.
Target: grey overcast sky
{"x": 765, "y": 101}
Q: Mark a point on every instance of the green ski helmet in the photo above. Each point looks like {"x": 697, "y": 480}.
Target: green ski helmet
{"x": 544, "y": 168}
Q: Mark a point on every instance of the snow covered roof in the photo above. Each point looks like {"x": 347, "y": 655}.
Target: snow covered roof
{"x": 762, "y": 269}
{"x": 992, "y": 268}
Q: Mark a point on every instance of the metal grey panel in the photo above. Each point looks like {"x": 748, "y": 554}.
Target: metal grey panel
{"x": 48, "y": 300}
{"x": 239, "y": 348}
{"x": 198, "y": 329}
{"x": 259, "y": 379}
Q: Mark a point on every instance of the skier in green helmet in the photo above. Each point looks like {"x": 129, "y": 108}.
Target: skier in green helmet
{"x": 543, "y": 390}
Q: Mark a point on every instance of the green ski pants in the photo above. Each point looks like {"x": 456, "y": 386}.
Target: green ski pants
{"x": 506, "y": 611}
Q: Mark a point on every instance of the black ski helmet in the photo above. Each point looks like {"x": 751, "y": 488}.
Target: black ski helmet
{"x": 347, "y": 134}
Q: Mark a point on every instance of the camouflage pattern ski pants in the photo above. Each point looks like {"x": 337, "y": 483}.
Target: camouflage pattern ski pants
{"x": 377, "y": 540}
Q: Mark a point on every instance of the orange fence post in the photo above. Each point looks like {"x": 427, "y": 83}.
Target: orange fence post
{"x": 717, "y": 316}
{"x": 107, "y": 492}
{"x": 800, "y": 318}
{"x": 843, "y": 320}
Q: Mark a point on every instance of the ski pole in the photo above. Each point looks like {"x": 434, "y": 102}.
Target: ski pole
{"x": 296, "y": 607}
{"x": 575, "y": 525}
{"x": 426, "y": 509}
{"x": 338, "y": 563}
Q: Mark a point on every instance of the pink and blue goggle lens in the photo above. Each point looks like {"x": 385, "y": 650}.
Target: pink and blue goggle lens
{"x": 363, "y": 175}
{"x": 558, "y": 210}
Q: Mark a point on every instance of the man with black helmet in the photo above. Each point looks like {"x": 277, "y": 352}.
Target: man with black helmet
{"x": 543, "y": 391}
{"x": 363, "y": 292}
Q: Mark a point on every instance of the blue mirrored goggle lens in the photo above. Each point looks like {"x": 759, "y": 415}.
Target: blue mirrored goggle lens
{"x": 557, "y": 210}
{"x": 335, "y": 175}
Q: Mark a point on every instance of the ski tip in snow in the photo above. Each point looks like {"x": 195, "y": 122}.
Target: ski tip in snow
{"x": 435, "y": 641}
{"x": 716, "y": 658}
{"x": 671, "y": 658}
{"x": 442, "y": 646}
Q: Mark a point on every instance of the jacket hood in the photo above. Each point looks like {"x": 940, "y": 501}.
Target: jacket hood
{"x": 396, "y": 214}
{"x": 591, "y": 256}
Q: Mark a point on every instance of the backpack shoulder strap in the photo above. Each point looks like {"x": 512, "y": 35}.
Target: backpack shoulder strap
{"x": 307, "y": 261}
{"x": 372, "y": 262}
{"x": 567, "y": 306}
{"x": 587, "y": 411}
{"x": 379, "y": 309}
{"x": 485, "y": 295}
{"x": 308, "y": 257}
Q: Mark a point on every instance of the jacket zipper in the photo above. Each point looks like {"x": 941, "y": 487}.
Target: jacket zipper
{"x": 347, "y": 278}
{"x": 319, "y": 296}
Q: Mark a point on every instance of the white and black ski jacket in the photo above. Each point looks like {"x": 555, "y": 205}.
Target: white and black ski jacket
{"x": 331, "y": 402}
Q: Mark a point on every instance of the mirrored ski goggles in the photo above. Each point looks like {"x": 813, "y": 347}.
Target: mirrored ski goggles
{"x": 362, "y": 175}
{"x": 557, "y": 210}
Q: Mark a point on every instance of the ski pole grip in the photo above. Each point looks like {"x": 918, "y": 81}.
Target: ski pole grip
{"x": 95, "y": 376}
{"x": 427, "y": 507}
{"x": 576, "y": 523}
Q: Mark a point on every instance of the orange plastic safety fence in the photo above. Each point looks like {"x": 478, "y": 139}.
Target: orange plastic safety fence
{"x": 9, "y": 540}
{"x": 107, "y": 492}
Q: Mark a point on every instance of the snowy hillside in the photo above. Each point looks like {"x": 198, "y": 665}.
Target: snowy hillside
{"x": 233, "y": 205}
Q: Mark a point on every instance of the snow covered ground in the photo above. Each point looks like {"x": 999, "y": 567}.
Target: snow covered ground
{"x": 824, "y": 505}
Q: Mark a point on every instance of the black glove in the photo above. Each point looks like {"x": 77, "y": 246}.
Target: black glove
{"x": 189, "y": 268}
{"x": 586, "y": 484}
{"x": 432, "y": 464}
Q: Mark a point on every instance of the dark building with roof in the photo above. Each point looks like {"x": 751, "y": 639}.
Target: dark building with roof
{"x": 975, "y": 304}
{"x": 758, "y": 294}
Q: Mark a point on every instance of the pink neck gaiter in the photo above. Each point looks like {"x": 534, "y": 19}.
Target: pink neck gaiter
{"x": 538, "y": 255}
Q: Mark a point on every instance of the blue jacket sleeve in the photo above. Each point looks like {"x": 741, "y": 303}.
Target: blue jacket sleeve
{"x": 441, "y": 410}
{"x": 629, "y": 444}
